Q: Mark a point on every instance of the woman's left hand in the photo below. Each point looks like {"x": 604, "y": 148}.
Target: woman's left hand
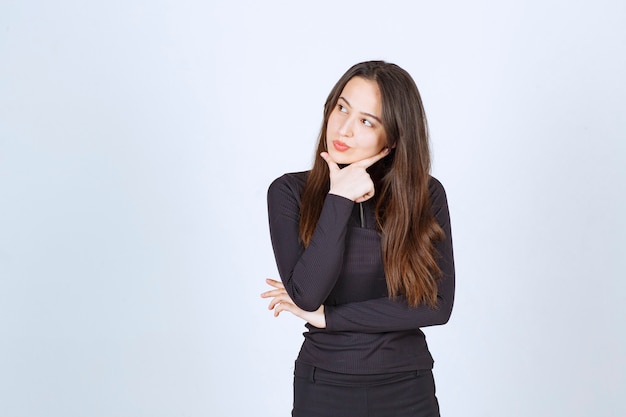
{"x": 282, "y": 302}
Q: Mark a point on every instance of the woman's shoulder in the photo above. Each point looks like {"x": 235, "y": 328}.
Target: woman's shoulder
{"x": 438, "y": 199}
{"x": 435, "y": 186}
{"x": 437, "y": 191}
{"x": 292, "y": 183}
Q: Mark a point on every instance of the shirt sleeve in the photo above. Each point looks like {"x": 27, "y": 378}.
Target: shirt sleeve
{"x": 308, "y": 274}
{"x": 385, "y": 314}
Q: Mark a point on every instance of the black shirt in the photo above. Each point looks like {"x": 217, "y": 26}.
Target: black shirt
{"x": 366, "y": 331}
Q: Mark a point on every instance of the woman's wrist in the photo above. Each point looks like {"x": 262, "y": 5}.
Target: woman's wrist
{"x": 342, "y": 193}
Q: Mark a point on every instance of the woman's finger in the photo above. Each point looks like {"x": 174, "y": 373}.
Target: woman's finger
{"x": 284, "y": 307}
{"x": 277, "y": 302}
{"x": 364, "y": 197}
{"x": 367, "y": 162}
{"x": 279, "y": 299}
{"x": 290, "y": 308}
{"x": 273, "y": 293}
{"x": 332, "y": 165}
{"x": 279, "y": 288}
{"x": 274, "y": 283}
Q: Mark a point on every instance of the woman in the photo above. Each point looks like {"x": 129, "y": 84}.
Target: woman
{"x": 364, "y": 251}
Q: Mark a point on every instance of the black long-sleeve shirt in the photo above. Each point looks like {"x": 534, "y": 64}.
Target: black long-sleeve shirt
{"x": 366, "y": 331}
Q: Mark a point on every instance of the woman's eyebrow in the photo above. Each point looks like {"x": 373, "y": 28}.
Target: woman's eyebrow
{"x": 364, "y": 113}
{"x": 373, "y": 117}
{"x": 347, "y": 102}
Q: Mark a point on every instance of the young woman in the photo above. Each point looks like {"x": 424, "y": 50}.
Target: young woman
{"x": 364, "y": 251}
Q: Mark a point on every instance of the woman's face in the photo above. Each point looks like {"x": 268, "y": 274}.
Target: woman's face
{"x": 354, "y": 130}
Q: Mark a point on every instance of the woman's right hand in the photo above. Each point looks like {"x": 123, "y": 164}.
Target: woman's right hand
{"x": 353, "y": 181}
{"x": 282, "y": 302}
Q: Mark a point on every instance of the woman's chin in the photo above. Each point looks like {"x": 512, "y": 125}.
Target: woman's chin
{"x": 341, "y": 158}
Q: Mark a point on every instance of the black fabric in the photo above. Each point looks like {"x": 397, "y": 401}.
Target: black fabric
{"x": 320, "y": 393}
{"x": 367, "y": 332}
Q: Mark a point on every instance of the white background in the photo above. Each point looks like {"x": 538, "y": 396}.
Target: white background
{"x": 137, "y": 141}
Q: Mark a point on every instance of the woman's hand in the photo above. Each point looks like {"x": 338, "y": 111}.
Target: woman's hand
{"x": 282, "y": 302}
{"x": 353, "y": 181}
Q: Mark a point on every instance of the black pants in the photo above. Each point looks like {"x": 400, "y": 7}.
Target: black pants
{"x": 319, "y": 393}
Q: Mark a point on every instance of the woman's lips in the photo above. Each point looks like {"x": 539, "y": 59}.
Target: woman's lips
{"x": 340, "y": 146}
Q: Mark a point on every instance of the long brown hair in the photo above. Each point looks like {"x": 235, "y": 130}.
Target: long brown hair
{"x": 408, "y": 228}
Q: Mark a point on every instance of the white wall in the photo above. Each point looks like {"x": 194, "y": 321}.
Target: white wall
{"x": 137, "y": 141}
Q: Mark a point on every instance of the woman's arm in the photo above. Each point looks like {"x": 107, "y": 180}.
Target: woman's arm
{"x": 310, "y": 274}
{"x": 384, "y": 314}
{"x": 307, "y": 274}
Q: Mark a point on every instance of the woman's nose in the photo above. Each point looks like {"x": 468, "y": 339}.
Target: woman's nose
{"x": 346, "y": 127}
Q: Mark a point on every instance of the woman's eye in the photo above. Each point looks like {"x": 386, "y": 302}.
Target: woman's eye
{"x": 367, "y": 123}
{"x": 342, "y": 108}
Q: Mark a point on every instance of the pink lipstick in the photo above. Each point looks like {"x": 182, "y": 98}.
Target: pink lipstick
{"x": 340, "y": 146}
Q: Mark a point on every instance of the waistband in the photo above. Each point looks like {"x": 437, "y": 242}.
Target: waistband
{"x": 315, "y": 374}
